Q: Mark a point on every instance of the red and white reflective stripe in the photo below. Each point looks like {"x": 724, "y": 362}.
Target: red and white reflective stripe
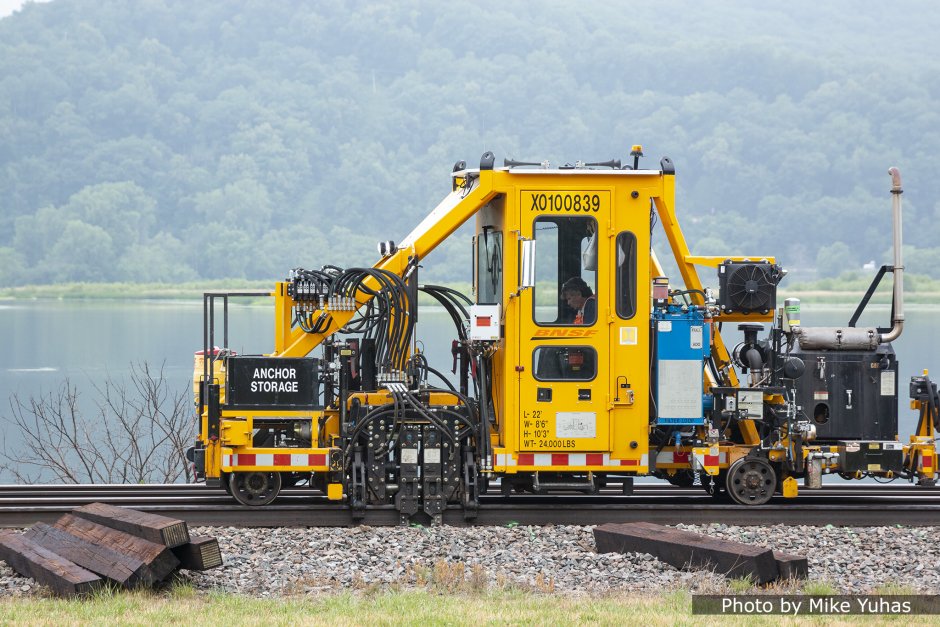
{"x": 683, "y": 457}
{"x": 926, "y": 462}
{"x": 706, "y": 458}
{"x": 566, "y": 460}
{"x": 273, "y": 459}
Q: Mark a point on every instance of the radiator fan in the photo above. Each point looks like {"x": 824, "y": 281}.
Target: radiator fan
{"x": 748, "y": 286}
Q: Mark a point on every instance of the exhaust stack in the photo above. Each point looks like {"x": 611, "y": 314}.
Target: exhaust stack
{"x": 866, "y": 339}
{"x": 898, "y": 322}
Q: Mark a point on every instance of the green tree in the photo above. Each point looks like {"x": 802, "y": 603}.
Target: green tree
{"x": 265, "y": 118}
{"x": 835, "y": 259}
{"x": 123, "y": 210}
{"x": 83, "y": 252}
{"x": 11, "y": 267}
{"x": 34, "y": 235}
{"x": 162, "y": 259}
{"x": 244, "y": 205}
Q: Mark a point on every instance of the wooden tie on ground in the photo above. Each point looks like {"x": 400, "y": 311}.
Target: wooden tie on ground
{"x": 46, "y": 567}
{"x": 119, "y": 556}
{"x": 125, "y": 546}
{"x": 791, "y": 566}
{"x": 200, "y": 553}
{"x": 684, "y": 549}
{"x": 160, "y": 529}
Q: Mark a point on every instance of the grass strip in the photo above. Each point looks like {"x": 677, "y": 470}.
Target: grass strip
{"x": 183, "y": 605}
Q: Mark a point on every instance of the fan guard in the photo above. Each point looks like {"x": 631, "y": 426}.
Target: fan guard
{"x": 748, "y": 287}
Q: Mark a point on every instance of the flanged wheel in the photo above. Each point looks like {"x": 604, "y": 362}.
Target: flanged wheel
{"x": 255, "y": 488}
{"x": 751, "y": 481}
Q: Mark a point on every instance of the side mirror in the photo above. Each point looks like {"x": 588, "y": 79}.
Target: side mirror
{"x": 527, "y": 264}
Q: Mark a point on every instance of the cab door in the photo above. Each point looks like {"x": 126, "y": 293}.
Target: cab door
{"x": 563, "y": 360}
{"x": 629, "y": 343}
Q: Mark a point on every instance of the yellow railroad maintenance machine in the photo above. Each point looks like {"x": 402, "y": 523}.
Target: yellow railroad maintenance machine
{"x": 576, "y": 363}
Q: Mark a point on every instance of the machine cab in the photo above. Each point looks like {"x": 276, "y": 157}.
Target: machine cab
{"x": 575, "y": 309}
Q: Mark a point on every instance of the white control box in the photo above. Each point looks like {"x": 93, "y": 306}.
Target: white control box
{"x": 484, "y": 322}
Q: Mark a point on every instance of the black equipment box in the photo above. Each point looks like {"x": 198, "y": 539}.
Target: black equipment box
{"x": 871, "y": 456}
{"x": 272, "y": 383}
{"x": 850, "y": 395}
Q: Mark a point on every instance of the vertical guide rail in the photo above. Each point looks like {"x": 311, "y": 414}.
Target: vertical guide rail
{"x": 209, "y": 354}
{"x": 205, "y": 348}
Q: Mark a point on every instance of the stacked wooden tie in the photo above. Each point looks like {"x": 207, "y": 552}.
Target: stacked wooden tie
{"x": 98, "y": 543}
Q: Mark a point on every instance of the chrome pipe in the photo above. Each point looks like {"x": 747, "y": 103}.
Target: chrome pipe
{"x": 898, "y": 297}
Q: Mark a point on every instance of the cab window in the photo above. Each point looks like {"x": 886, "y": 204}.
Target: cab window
{"x": 626, "y": 275}
{"x": 489, "y": 266}
{"x": 564, "y": 363}
{"x": 565, "y": 270}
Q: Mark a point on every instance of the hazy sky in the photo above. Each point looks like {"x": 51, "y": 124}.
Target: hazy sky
{"x": 9, "y": 6}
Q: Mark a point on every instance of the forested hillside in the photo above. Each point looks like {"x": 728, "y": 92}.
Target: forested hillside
{"x": 160, "y": 140}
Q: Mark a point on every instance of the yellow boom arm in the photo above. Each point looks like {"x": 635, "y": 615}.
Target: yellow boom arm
{"x": 475, "y": 191}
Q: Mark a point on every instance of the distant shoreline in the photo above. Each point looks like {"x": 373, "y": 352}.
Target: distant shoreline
{"x": 195, "y": 289}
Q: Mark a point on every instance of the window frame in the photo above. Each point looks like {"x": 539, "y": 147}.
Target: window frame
{"x": 552, "y": 219}
{"x": 628, "y": 267}
{"x": 535, "y": 371}
{"x": 489, "y": 236}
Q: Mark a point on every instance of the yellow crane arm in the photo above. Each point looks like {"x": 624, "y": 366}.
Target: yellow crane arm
{"x": 475, "y": 190}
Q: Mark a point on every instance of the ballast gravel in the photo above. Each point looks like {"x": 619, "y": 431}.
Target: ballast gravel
{"x": 551, "y": 559}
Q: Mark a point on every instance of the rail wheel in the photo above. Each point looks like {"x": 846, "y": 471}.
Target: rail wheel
{"x": 255, "y": 488}
{"x": 751, "y": 481}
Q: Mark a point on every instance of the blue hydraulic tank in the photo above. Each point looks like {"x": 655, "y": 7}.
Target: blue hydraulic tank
{"x": 682, "y": 345}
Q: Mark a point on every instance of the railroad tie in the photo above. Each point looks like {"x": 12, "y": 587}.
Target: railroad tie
{"x": 169, "y": 532}
{"x": 26, "y": 557}
{"x": 687, "y": 550}
{"x": 128, "y": 547}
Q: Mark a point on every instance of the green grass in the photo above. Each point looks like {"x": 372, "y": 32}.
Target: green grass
{"x": 383, "y": 608}
{"x": 741, "y": 585}
{"x": 819, "y": 588}
{"x": 181, "y": 605}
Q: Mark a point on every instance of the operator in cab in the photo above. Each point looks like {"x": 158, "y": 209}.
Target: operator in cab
{"x": 579, "y": 297}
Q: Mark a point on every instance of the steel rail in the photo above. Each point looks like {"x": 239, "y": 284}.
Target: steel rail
{"x": 846, "y": 505}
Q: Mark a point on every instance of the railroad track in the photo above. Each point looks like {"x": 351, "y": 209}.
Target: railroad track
{"x": 850, "y": 505}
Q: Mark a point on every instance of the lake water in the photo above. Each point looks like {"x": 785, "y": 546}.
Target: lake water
{"x": 47, "y": 342}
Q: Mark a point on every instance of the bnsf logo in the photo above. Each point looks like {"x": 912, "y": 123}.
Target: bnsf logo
{"x": 541, "y": 333}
